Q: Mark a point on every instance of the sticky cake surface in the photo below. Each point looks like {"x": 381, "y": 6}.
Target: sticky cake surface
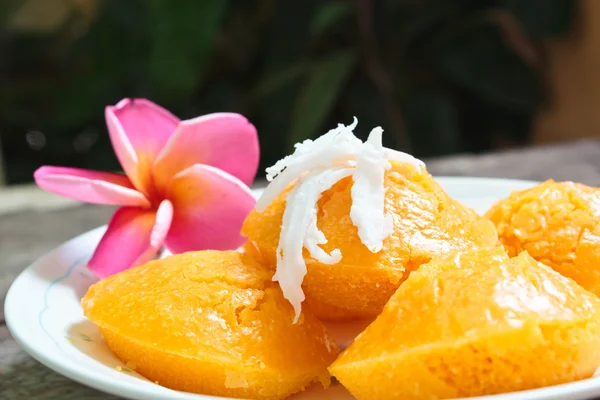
{"x": 427, "y": 223}
{"x": 557, "y": 223}
{"x": 210, "y": 322}
{"x": 475, "y": 323}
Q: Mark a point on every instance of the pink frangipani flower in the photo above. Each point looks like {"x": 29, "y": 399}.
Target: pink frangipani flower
{"x": 185, "y": 185}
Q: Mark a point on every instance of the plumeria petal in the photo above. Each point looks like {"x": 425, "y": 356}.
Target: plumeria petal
{"x": 223, "y": 140}
{"x": 134, "y": 235}
{"x": 90, "y": 186}
{"x": 139, "y": 129}
{"x": 210, "y": 206}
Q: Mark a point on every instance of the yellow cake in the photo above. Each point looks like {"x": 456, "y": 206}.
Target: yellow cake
{"x": 557, "y": 224}
{"x": 210, "y": 322}
{"x": 475, "y": 323}
{"x": 426, "y": 223}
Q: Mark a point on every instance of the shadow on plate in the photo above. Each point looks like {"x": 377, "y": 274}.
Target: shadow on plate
{"x": 86, "y": 338}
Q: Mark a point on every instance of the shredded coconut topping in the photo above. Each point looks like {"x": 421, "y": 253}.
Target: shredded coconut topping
{"x": 317, "y": 165}
{"x": 314, "y": 237}
{"x": 334, "y": 148}
{"x": 368, "y": 194}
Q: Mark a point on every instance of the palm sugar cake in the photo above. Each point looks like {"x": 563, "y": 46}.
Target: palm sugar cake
{"x": 557, "y": 223}
{"x": 210, "y": 322}
{"x": 475, "y": 323}
{"x": 352, "y": 270}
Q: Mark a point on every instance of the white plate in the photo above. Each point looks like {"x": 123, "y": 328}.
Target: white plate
{"x": 44, "y": 316}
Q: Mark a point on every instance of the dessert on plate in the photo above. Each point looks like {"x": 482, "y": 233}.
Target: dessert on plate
{"x": 557, "y": 224}
{"x": 475, "y": 323}
{"x": 356, "y": 219}
{"x": 350, "y": 230}
{"x": 210, "y": 322}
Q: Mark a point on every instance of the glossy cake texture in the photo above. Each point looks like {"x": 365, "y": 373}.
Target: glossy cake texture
{"x": 349, "y": 230}
{"x": 475, "y": 323}
{"x": 426, "y": 223}
{"x": 557, "y": 224}
{"x": 210, "y": 322}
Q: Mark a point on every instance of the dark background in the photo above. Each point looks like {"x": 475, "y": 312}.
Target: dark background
{"x": 441, "y": 77}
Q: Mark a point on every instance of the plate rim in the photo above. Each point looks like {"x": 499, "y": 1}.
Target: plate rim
{"x": 63, "y": 365}
{"x": 581, "y": 389}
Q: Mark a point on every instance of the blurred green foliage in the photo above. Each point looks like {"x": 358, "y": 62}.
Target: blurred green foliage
{"x": 439, "y": 76}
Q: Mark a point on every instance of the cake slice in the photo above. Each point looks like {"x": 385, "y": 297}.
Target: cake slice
{"x": 210, "y": 322}
{"x": 475, "y": 323}
{"x": 426, "y": 223}
{"x": 557, "y": 224}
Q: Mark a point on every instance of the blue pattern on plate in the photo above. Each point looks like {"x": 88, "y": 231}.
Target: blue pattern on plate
{"x": 70, "y": 270}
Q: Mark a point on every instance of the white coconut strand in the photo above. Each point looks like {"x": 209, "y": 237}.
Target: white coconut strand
{"x": 398, "y": 156}
{"x": 291, "y": 267}
{"x": 317, "y": 165}
{"x": 308, "y": 146}
{"x": 298, "y": 231}
{"x": 368, "y": 193}
{"x": 334, "y": 148}
{"x": 314, "y": 237}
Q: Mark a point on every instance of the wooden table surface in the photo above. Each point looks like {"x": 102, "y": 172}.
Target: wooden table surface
{"x": 30, "y": 231}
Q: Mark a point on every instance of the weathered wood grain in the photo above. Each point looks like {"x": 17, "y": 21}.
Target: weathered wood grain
{"x": 21, "y": 377}
{"x": 27, "y": 234}
{"x": 576, "y": 161}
